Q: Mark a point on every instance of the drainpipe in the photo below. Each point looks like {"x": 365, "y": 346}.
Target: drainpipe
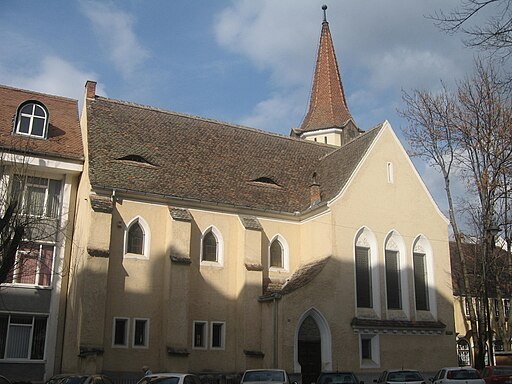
{"x": 274, "y": 297}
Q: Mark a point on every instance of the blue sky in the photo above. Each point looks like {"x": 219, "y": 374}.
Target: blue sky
{"x": 248, "y": 62}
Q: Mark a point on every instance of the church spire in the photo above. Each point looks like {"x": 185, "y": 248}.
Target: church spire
{"x": 328, "y": 105}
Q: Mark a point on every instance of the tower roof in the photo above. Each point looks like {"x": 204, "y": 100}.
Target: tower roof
{"x": 328, "y": 105}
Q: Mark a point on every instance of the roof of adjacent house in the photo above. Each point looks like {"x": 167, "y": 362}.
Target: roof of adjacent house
{"x": 152, "y": 151}
{"x": 64, "y": 136}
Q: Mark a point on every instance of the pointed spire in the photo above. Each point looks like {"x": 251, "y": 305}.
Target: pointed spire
{"x": 328, "y": 105}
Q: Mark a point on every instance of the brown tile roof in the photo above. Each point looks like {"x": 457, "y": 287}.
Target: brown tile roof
{"x": 327, "y": 106}
{"x": 64, "y": 136}
{"x": 148, "y": 150}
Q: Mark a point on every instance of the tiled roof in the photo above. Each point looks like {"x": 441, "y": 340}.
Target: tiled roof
{"x": 188, "y": 157}
{"x": 327, "y": 106}
{"x": 64, "y": 136}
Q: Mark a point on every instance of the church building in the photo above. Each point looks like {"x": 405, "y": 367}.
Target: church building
{"x": 208, "y": 247}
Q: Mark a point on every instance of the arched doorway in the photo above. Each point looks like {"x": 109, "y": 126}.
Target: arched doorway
{"x": 313, "y": 346}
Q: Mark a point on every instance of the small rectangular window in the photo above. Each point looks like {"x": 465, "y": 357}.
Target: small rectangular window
{"x": 218, "y": 334}
{"x": 199, "y": 334}
{"x": 140, "y": 332}
{"x": 369, "y": 351}
{"x": 120, "y": 332}
{"x": 366, "y": 349}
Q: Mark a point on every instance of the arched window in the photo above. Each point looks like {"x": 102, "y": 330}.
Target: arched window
{"x": 278, "y": 253}
{"x": 209, "y": 247}
{"x": 137, "y": 238}
{"x": 396, "y": 278}
{"x": 212, "y": 247}
{"x": 32, "y": 120}
{"x": 423, "y": 275}
{"x": 366, "y": 271}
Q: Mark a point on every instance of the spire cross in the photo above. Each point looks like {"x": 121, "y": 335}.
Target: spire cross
{"x": 324, "y": 7}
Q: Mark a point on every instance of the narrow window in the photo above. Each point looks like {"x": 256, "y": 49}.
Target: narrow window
{"x": 199, "y": 335}
{"x": 369, "y": 351}
{"x": 420, "y": 282}
{"x": 393, "y": 288}
{"x": 496, "y": 309}
{"x": 506, "y": 306}
{"x": 467, "y": 311}
{"x": 325, "y": 139}
{"x": 366, "y": 349}
{"x": 363, "y": 278}
{"x": 120, "y": 332}
{"x": 209, "y": 247}
{"x": 32, "y": 120}
{"x": 135, "y": 242}
{"x": 276, "y": 254}
{"x": 140, "y": 332}
{"x": 217, "y": 338}
{"x": 22, "y": 337}
{"x": 391, "y": 176}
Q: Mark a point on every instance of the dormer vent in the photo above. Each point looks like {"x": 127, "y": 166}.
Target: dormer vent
{"x": 135, "y": 159}
{"x": 265, "y": 181}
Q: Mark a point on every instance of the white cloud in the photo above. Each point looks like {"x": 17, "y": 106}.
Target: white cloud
{"x": 115, "y": 31}
{"x": 54, "y": 76}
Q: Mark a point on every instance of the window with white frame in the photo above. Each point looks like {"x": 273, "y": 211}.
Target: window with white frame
{"x": 33, "y": 265}
{"x": 136, "y": 239}
{"x": 120, "y": 332}
{"x": 37, "y": 196}
{"x": 22, "y": 337}
{"x": 200, "y": 334}
{"x": 217, "y": 333}
{"x": 140, "y": 333}
{"x": 369, "y": 351}
{"x": 32, "y": 120}
{"x": 212, "y": 247}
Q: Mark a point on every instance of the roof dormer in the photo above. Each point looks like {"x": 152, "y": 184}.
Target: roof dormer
{"x": 32, "y": 119}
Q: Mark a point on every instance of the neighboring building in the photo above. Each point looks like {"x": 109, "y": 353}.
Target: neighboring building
{"x": 499, "y": 292}
{"x": 209, "y": 247}
{"x": 41, "y": 162}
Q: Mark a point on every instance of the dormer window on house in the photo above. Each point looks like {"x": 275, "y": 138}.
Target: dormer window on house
{"x": 32, "y": 120}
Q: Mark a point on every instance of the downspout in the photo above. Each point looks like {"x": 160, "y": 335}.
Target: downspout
{"x": 274, "y": 297}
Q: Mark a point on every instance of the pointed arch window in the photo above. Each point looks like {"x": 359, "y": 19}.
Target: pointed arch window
{"x": 209, "y": 247}
{"x": 278, "y": 253}
{"x": 423, "y": 276}
{"x": 212, "y": 247}
{"x": 32, "y": 120}
{"x": 137, "y": 238}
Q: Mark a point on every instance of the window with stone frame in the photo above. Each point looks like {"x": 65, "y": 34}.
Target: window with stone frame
{"x": 420, "y": 282}
{"x": 393, "y": 280}
{"x": 135, "y": 239}
{"x": 276, "y": 254}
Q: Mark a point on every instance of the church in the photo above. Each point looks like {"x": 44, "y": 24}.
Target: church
{"x": 208, "y": 247}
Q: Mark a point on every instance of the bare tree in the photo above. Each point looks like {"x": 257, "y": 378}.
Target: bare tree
{"x": 468, "y": 129}
{"x": 493, "y": 35}
{"x": 29, "y": 220}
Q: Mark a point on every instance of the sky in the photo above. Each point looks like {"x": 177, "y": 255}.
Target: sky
{"x": 247, "y": 62}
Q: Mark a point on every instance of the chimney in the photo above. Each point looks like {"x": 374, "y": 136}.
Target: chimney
{"x": 90, "y": 89}
{"x": 315, "y": 193}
